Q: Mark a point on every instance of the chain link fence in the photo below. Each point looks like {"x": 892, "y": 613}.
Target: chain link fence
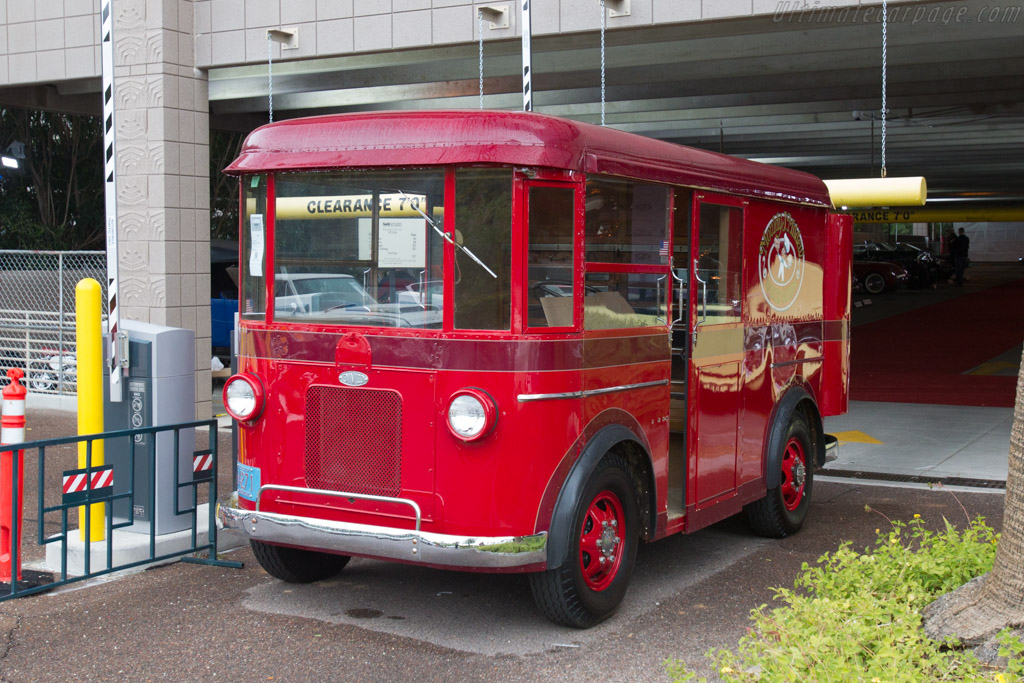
{"x": 37, "y": 315}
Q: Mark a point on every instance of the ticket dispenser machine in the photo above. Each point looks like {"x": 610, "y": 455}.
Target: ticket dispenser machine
{"x": 159, "y": 389}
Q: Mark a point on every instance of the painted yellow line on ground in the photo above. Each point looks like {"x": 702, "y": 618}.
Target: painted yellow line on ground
{"x": 855, "y": 437}
{"x": 996, "y": 367}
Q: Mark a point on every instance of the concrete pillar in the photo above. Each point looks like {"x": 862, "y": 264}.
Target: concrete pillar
{"x": 163, "y": 174}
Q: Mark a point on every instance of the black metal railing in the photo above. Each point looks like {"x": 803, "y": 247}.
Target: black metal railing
{"x": 95, "y": 491}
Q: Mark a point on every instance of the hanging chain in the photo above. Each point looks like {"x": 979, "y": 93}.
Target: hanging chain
{"x": 480, "y": 31}
{"x": 602, "y": 61}
{"x": 270, "y": 76}
{"x": 885, "y": 44}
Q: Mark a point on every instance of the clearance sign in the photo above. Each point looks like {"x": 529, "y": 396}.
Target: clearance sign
{"x": 939, "y": 214}
{"x": 351, "y": 206}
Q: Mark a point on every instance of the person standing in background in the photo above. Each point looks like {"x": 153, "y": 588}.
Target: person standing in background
{"x": 959, "y": 250}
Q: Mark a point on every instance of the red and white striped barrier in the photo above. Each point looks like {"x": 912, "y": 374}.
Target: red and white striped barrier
{"x": 74, "y": 482}
{"x": 202, "y": 466}
{"x": 12, "y": 431}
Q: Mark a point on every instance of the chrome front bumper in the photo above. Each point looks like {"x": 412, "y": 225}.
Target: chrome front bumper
{"x": 419, "y": 547}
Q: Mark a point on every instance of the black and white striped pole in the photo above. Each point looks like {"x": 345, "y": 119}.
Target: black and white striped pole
{"x": 527, "y": 59}
{"x": 110, "y": 199}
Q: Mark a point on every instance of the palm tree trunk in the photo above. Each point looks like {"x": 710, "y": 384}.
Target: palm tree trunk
{"x": 978, "y": 610}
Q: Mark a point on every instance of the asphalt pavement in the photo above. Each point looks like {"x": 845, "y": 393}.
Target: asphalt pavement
{"x": 388, "y": 622}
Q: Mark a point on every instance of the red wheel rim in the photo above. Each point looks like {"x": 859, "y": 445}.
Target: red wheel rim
{"x": 794, "y": 474}
{"x": 601, "y": 541}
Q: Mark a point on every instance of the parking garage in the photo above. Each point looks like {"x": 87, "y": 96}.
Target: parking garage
{"x": 933, "y": 365}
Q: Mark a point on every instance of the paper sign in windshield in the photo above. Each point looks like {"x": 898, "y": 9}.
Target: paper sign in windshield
{"x": 401, "y": 243}
{"x": 256, "y": 245}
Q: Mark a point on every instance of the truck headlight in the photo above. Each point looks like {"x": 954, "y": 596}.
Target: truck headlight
{"x": 472, "y": 414}
{"x": 243, "y": 397}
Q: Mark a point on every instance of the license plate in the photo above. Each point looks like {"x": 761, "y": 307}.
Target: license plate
{"x": 248, "y": 482}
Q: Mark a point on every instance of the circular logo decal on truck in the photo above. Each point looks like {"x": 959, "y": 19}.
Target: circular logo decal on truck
{"x": 780, "y": 262}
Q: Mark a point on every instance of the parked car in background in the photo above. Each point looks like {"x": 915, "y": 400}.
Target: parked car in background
{"x": 340, "y": 298}
{"x": 924, "y": 268}
{"x": 876, "y": 277}
{"x": 427, "y": 293}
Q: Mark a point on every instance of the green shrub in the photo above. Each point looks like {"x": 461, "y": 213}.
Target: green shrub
{"x": 857, "y": 616}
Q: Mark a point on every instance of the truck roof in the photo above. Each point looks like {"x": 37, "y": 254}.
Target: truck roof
{"x": 430, "y": 138}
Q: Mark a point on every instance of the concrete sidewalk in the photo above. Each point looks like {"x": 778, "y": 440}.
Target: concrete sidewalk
{"x": 901, "y": 441}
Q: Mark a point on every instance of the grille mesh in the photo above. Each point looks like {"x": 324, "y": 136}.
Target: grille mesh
{"x": 354, "y": 440}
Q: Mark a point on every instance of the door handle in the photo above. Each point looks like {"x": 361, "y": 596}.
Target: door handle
{"x": 703, "y": 297}
{"x": 657, "y": 302}
{"x": 682, "y": 291}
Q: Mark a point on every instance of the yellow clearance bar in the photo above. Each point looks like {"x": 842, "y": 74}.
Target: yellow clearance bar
{"x": 939, "y": 214}
{"x": 348, "y": 206}
{"x": 858, "y": 192}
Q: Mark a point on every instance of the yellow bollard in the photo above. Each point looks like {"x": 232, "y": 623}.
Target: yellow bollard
{"x": 89, "y": 334}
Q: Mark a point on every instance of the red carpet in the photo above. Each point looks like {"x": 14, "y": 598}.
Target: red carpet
{"x": 919, "y": 356}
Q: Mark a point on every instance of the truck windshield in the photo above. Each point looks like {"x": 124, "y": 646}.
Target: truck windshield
{"x": 366, "y": 248}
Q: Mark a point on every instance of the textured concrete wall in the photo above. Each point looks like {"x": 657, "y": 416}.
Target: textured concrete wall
{"x": 48, "y": 40}
{"x": 234, "y": 31}
{"x": 163, "y": 174}
{"x": 53, "y": 40}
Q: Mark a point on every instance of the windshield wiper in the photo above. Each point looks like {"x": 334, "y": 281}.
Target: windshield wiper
{"x": 446, "y": 236}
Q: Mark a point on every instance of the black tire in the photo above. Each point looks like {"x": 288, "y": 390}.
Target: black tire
{"x": 874, "y": 283}
{"x": 297, "y": 566}
{"x": 782, "y": 512}
{"x": 584, "y": 591}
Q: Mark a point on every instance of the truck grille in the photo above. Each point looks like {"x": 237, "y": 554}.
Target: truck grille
{"x": 354, "y": 440}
